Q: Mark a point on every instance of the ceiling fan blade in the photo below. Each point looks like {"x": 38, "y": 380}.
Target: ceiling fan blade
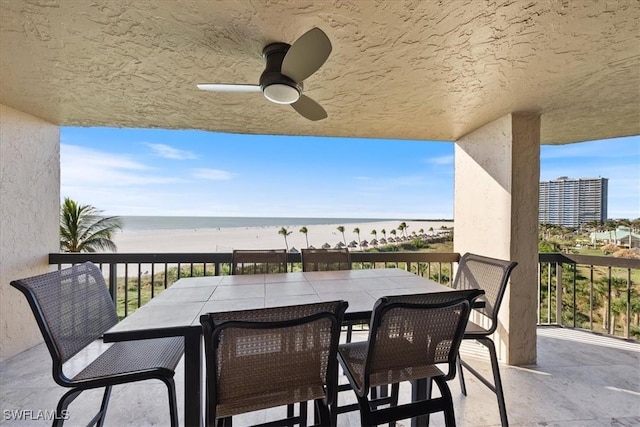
{"x": 306, "y": 55}
{"x": 215, "y": 87}
{"x": 309, "y": 109}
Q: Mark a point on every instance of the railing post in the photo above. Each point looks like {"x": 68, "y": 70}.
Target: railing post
{"x": 558, "y": 294}
{"x": 628, "y": 326}
{"x": 113, "y": 282}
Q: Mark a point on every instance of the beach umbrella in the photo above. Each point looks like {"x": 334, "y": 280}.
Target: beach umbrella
{"x": 374, "y": 242}
{"x": 326, "y": 246}
{"x": 353, "y": 244}
{"x": 340, "y": 244}
{"x": 383, "y": 241}
{"x": 311, "y": 247}
{"x": 364, "y": 243}
{"x": 294, "y": 250}
{"x": 391, "y": 240}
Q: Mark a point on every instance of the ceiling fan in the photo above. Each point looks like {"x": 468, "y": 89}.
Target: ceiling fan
{"x": 287, "y": 66}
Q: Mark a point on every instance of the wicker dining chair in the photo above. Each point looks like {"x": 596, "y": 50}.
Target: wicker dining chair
{"x": 326, "y": 259}
{"x": 492, "y": 276}
{"x": 259, "y": 261}
{"x": 409, "y": 335}
{"x": 73, "y": 308}
{"x": 270, "y": 357}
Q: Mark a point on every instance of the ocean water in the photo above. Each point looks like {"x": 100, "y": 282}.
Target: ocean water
{"x": 197, "y": 222}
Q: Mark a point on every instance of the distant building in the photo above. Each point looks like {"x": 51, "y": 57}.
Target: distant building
{"x": 573, "y": 202}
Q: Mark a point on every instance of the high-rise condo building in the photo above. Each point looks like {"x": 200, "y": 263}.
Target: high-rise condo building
{"x": 573, "y": 202}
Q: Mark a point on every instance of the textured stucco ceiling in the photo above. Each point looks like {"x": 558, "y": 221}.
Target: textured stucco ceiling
{"x": 429, "y": 70}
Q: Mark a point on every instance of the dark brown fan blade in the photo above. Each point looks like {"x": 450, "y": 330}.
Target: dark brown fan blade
{"x": 306, "y": 55}
{"x": 309, "y": 109}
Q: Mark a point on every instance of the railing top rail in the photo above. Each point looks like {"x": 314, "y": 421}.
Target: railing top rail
{"x": 601, "y": 261}
{"x": 356, "y": 257}
{"x": 225, "y": 257}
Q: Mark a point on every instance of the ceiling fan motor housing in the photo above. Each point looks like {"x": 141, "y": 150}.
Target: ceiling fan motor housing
{"x": 277, "y": 87}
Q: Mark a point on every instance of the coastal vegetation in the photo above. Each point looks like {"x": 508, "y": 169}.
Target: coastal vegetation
{"x": 284, "y": 231}
{"x": 305, "y": 231}
{"x": 340, "y": 228}
{"x": 84, "y": 229}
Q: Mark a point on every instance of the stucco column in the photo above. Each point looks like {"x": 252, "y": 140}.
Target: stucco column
{"x": 497, "y": 174}
{"x": 29, "y": 218}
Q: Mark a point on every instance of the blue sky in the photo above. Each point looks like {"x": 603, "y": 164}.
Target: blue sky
{"x": 194, "y": 173}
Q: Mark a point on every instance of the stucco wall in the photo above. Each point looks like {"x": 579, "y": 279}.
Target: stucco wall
{"x": 497, "y": 170}
{"x": 29, "y": 218}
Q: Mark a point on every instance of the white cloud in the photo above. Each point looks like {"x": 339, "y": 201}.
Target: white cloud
{"x": 98, "y": 169}
{"x": 168, "y": 152}
{"x": 442, "y": 160}
{"x": 77, "y": 155}
{"x": 211, "y": 174}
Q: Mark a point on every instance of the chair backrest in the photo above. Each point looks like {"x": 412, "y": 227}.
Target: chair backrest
{"x": 326, "y": 259}
{"x": 259, "y": 261}
{"x": 72, "y": 306}
{"x": 411, "y": 333}
{"x": 252, "y": 355}
{"x": 489, "y": 274}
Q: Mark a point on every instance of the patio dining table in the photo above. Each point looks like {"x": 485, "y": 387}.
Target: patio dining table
{"x": 176, "y": 310}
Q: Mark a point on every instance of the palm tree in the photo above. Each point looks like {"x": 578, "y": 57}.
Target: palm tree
{"x": 384, "y": 233}
{"x": 341, "y": 229}
{"x": 357, "y": 231}
{"x": 393, "y": 232}
{"x": 375, "y": 234}
{"x": 83, "y": 229}
{"x": 304, "y": 231}
{"x": 403, "y": 227}
{"x": 285, "y": 233}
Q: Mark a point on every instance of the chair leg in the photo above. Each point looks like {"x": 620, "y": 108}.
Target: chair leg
{"x": 323, "y": 414}
{"x": 497, "y": 381}
{"x": 429, "y": 392}
{"x": 449, "y": 415}
{"x": 103, "y": 406}
{"x": 225, "y": 422}
{"x": 366, "y": 418}
{"x": 63, "y": 403}
{"x": 463, "y": 386}
{"x": 303, "y": 414}
{"x": 290, "y": 410}
{"x": 173, "y": 401}
{"x": 395, "y": 393}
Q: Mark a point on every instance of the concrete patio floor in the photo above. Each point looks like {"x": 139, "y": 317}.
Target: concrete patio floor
{"x": 581, "y": 379}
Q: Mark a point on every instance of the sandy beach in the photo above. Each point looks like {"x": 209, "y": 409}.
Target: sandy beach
{"x": 227, "y": 239}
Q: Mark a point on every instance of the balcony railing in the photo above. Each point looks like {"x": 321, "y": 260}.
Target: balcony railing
{"x": 600, "y": 294}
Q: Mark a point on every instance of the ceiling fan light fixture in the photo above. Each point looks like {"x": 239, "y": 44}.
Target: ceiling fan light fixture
{"x": 281, "y": 93}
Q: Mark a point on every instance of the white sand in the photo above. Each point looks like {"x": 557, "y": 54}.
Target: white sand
{"x": 227, "y": 239}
